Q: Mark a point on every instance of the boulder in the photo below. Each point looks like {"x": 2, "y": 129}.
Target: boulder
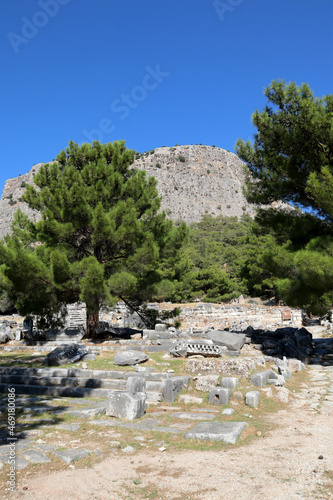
{"x": 66, "y": 354}
{"x": 233, "y": 341}
{"x": 6, "y": 334}
{"x": 130, "y": 358}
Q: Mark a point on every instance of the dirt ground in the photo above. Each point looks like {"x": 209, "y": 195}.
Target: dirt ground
{"x": 295, "y": 460}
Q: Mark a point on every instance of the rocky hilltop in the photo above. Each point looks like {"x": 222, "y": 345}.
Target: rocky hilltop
{"x": 192, "y": 180}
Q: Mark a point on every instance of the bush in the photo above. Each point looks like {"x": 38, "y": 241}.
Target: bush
{"x": 182, "y": 158}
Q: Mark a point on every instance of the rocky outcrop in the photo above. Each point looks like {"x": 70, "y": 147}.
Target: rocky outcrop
{"x": 11, "y": 200}
{"x": 196, "y": 179}
{"x": 192, "y": 180}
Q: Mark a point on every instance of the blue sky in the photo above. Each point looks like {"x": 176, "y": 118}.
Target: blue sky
{"x": 151, "y": 72}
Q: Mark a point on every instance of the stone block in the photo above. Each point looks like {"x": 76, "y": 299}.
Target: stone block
{"x": 233, "y": 341}
{"x": 187, "y": 415}
{"x": 122, "y": 404}
{"x": 227, "y": 432}
{"x": 229, "y": 382}
{"x": 206, "y": 382}
{"x": 259, "y": 379}
{"x": 187, "y": 399}
{"x": 295, "y": 365}
{"x": 285, "y": 372}
{"x": 277, "y": 380}
{"x": 228, "y": 411}
{"x": 35, "y": 457}
{"x": 136, "y": 384}
{"x": 171, "y": 387}
{"x": 160, "y": 327}
{"x": 252, "y": 399}
{"x": 219, "y": 396}
{"x": 68, "y": 456}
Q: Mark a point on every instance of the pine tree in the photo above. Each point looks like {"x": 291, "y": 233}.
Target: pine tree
{"x": 291, "y": 160}
{"x": 101, "y": 236}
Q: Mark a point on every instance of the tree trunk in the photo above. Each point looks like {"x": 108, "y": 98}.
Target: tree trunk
{"x": 92, "y": 324}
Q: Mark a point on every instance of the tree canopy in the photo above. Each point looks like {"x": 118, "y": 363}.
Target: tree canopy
{"x": 291, "y": 161}
{"x": 101, "y": 235}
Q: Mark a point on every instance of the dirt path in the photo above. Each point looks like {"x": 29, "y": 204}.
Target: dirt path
{"x": 293, "y": 461}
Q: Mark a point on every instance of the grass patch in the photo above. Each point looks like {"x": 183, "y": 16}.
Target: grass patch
{"x": 104, "y": 361}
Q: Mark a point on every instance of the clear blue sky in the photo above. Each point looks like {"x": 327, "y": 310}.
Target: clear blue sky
{"x": 152, "y": 72}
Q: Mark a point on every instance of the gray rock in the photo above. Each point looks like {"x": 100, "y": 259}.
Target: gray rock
{"x": 122, "y": 404}
{"x": 35, "y": 457}
{"x": 136, "y": 384}
{"x": 69, "y": 427}
{"x": 259, "y": 379}
{"x": 65, "y": 354}
{"x": 194, "y": 415}
{"x": 227, "y": 432}
{"x": 187, "y": 399}
{"x": 171, "y": 387}
{"x": 160, "y": 327}
{"x": 277, "y": 380}
{"x": 219, "y": 396}
{"x": 228, "y": 411}
{"x": 6, "y": 334}
{"x": 129, "y": 358}
{"x": 89, "y": 357}
{"x": 252, "y": 399}
{"x": 295, "y": 365}
{"x": 128, "y": 449}
{"x": 87, "y": 412}
{"x": 206, "y": 382}
{"x": 21, "y": 463}
{"x": 69, "y": 456}
{"x": 229, "y": 382}
{"x": 192, "y": 347}
{"x": 233, "y": 341}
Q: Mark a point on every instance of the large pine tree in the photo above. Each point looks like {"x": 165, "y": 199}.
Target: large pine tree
{"x": 291, "y": 160}
{"x": 101, "y": 235}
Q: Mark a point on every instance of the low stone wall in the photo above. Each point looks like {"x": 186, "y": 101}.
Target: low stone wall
{"x": 203, "y": 315}
{"x": 235, "y": 317}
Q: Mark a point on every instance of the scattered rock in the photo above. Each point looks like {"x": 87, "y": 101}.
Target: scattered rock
{"x": 130, "y": 358}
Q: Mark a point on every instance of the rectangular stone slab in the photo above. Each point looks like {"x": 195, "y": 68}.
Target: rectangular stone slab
{"x": 194, "y": 416}
{"x": 227, "y": 432}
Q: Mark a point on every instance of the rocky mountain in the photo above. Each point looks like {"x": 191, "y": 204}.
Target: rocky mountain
{"x": 192, "y": 180}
